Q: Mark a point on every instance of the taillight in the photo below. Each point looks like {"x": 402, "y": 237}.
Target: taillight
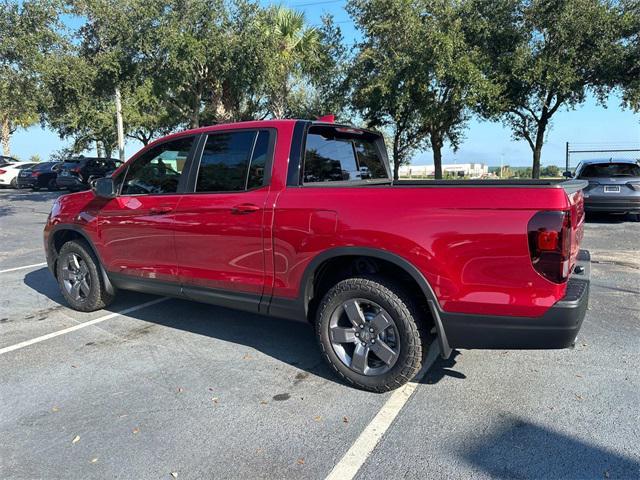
{"x": 550, "y": 244}
{"x": 76, "y": 170}
{"x": 35, "y": 174}
{"x": 2, "y": 171}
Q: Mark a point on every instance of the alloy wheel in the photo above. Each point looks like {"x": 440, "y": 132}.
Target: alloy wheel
{"x": 364, "y": 337}
{"x": 76, "y": 278}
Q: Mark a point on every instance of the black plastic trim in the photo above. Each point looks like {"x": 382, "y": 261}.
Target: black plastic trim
{"x": 236, "y": 300}
{"x": 294, "y": 169}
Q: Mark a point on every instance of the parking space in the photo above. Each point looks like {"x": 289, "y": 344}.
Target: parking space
{"x": 186, "y": 390}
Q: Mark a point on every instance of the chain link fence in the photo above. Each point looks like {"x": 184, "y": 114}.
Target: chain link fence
{"x": 577, "y": 152}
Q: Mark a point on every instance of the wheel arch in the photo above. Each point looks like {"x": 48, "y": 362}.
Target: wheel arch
{"x": 309, "y": 291}
{"x": 64, "y": 233}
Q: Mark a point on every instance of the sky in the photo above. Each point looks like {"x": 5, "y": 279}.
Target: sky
{"x": 588, "y": 126}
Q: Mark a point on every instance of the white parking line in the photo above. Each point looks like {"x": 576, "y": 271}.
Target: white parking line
{"x": 23, "y": 268}
{"x": 350, "y": 464}
{"x": 26, "y": 343}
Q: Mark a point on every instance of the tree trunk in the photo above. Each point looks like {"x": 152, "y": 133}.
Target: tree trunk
{"x": 537, "y": 148}
{"x": 6, "y": 137}
{"x": 436, "y": 146}
{"x": 195, "y": 111}
{"x": 396, "y": 157}
{"x": 120, "y": 125}
{"x": 98, "y": 149}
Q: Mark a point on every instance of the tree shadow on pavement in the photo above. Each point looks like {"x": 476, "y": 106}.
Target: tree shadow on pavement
{"x": 290, "y": 342}
{"x": 520, "y": 449}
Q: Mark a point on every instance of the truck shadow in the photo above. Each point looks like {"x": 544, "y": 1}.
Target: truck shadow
{"x": 518, "y": 448}
{"x": 290, "y": 342}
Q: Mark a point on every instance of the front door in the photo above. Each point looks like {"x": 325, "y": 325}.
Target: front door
{"x": 136, "y": 228}
{"x": 219, "y": 227}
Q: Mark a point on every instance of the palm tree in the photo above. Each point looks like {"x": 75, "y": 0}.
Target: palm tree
{"x": 297, "y": 48}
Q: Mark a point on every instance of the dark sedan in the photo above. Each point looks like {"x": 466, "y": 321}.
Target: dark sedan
{"x": 614, "y": 185}
{"x": 43, "y": 175}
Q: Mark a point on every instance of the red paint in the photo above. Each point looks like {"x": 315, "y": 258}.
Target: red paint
{"x": 469, "y": 243}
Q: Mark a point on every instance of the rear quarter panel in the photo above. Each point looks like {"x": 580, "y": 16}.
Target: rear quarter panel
{"x": 469, "y": 243}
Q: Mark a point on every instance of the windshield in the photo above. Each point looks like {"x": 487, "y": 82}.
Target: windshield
{"x": 610, "y": 170}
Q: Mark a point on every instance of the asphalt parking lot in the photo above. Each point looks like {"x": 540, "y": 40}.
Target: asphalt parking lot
{"x": 173, "y": 389}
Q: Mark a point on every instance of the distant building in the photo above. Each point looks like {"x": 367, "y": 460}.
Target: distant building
{"x": 472, "y": 170}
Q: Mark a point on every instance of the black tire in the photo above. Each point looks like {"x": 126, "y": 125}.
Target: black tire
{"x": 14, "y": 183}
{"x": 97, "y": 296}
{"x": 409, "y": 322}
{"x": 52, "y": 186}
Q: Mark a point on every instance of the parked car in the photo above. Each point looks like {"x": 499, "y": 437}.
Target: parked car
{"x": 4, "y": 160}
{"x": 274, "y": 217}
{"x": 614, "y": 185}
{"x": 42, "y": 175}
{"x": 9, "y": 173}
{"x": 77, "y": 173}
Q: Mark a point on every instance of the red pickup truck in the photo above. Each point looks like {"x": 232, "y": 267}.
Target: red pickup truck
{"x": 300, "y": 219}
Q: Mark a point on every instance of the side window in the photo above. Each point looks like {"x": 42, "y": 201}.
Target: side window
{"x": 335, "y": 154}
{"x": 233, "y": 161}
{"x": 158, "y": 170}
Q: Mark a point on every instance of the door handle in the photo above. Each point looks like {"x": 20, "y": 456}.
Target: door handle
{"x": 244, "y": 208}
{"x": 159, "y": 210}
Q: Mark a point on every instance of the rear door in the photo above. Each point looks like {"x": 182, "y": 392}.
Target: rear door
{"x": 137, "y": 227}
{"x": 220, "y": 224}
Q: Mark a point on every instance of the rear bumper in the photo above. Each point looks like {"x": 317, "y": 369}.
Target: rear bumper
{"x": 600, "y": 204}
{"x": 26, "y": 182}
{"x": 557, "y": 328}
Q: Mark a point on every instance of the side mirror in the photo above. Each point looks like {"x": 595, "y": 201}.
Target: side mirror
{"x": 567, "y": 174}
{"x": 104, "y": 188}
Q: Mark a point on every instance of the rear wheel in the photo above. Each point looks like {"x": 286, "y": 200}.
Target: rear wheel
{"x": 79, "y": 277}
{"x": 14, "y": 183}
{"x": 372, "y": 333}
{"x": 52, "y": 186}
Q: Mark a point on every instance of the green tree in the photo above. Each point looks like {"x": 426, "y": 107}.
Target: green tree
{"x": 28, "y": 31}
{"x": 415, "y": 74}
{"x": 544, "y": 55}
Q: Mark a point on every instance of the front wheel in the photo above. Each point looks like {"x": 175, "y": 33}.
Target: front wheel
{"x": 372, "y": 333}
{"x": 79, "y": 277}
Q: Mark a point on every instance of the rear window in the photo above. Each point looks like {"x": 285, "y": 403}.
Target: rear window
{"x": 610, "y": 170}
{"x": 336, "y": 154}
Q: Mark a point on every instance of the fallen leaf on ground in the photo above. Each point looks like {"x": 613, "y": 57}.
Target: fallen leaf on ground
{"x": 136, "y": 430}
{"x": 174, "y": 474}
{"x": 180, "y": 390}
{"x": 76, "y": 439}
{"x": 94, "y": 460}
{"x": 345, "y": 419}
{"x": 247, "y": 356}
{"x": 263, "y": 402}
{"x": 54, "y": 409}
{"x": 215, "y": 400}
{"x": 579, "y": 397}
{"x": 318, "y": 418}
{"x": 301, "y": 461}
